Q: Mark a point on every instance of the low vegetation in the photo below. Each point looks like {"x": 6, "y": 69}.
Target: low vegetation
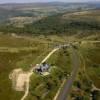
{"x": 92, "y": 61}
{"x": 26, "y": 45}
{"x": 86, "y": 85}
{"x": 46, "y": 87}
{"x": 21, "y": 59}
{"x": 66, "y": 23}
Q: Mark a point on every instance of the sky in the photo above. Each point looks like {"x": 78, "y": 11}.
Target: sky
{"x": 29, "y": 1}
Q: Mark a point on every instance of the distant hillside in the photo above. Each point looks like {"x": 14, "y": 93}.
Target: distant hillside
{"x": 40, "y": 9}
{"x": 22, "y": 5}
{"x": 48, "y": 4}
{"x": 82, "y": 23}
{"x": 81, "y": 19}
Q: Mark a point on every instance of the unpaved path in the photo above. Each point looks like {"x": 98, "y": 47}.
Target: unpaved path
{"x": 46, "y": 58}
{"x": 31, "y": 72}
{"x": 13, "y": 49}
{"x": 58, "y": 92}
{"x": 21, "y": 79}
{"x": 68, "y": 84}
{"x": 27, "y": 87}
{"x": 90, "y": 42}
{"x": 95, "y": 88}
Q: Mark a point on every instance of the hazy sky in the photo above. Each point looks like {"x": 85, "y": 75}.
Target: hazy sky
{"x": 25, "y": 1}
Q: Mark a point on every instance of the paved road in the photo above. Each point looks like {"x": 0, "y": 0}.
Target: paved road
{"x": 63, "y": 94}
{"x": 68, "y": 84}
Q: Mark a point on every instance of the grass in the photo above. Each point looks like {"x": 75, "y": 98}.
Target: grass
{"x": 92, "y": 60}
{"x": 21, "y": 59}
{"x": 88, "y": 72}
{"x": 20, "y": 53}
{"x": 45, "y": 88}
{"x": 7, "y": 61}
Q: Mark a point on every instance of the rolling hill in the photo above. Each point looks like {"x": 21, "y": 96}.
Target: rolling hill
{"x": 40, "y": 9}
{"x": 81, "y": 19}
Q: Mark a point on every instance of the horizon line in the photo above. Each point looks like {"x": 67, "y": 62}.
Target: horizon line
{"x": 49, "y": 2}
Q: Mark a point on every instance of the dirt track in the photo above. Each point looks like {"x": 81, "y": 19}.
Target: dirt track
{"x": 21, "y": 79}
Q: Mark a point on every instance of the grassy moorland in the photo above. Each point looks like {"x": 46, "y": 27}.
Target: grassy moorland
{"x": 46, "y": 87}
{"x": 87, "y": 82}
{"x": 22, "y": 46}
{"x": 10, "y": 59}
{"x": 79, "y": 23}
{"x": 21, "y": 59}
{"x": 92, "y": 61}
{"x": 7, "y": 64}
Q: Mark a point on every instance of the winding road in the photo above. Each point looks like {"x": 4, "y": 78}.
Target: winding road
{"x": 68, "y": 84}
{"x": 64, "y": 92}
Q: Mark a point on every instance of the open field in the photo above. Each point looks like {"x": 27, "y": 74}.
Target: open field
{"x": 92, "y": 61}
{"x": 88, "y": 78}
{"x": 17, "y": 54}
{"x": 36, "y": 10}
{"x": 49, "y": 85}
{"x": 31, "y": 50}
{"x": 31, "y": 33}
{"x": 21, "y": 59}
{"x": 79, "y": 23}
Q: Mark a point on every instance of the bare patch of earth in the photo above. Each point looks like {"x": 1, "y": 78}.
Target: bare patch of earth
{"x": 19, "y": 79}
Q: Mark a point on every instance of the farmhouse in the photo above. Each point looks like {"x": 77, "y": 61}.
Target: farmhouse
{"x": 44, "y": 67}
